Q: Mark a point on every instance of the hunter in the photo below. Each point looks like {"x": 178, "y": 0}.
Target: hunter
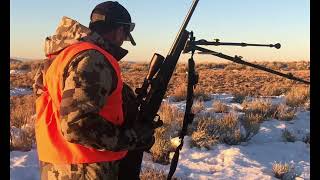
{"x": 85, "y": 126}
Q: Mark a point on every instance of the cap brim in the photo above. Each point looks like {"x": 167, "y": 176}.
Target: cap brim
{"x": 130, "y": 38}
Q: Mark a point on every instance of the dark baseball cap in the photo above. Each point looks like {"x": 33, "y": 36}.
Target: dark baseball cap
{"x": 111, "y": 12}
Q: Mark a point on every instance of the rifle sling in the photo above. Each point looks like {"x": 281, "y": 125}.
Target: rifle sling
{"x": 188, "y": 116}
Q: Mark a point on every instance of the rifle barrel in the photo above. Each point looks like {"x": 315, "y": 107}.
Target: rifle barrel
{"x": 183, "y": 27}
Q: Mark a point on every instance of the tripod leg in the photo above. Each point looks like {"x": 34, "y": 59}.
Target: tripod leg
{"x": 130, "y": 166}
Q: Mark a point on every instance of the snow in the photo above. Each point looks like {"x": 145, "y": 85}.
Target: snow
{"x": 14, "y": 71}
{"x": 249, "y": 160}
{"x": 20, "y": 91}
{"x": 24, "y": 165}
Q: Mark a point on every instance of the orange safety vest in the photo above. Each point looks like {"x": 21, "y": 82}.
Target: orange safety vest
{"x": 52, "y": 146}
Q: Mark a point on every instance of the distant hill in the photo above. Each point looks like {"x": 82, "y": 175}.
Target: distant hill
{"x": 15, "y": 61}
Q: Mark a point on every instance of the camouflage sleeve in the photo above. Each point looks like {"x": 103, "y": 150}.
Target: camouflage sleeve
{"x": 87, "y": 81}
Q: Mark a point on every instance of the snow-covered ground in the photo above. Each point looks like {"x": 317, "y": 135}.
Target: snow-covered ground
{"x": 251, "y": 160}
{"x": 20, "y": 91}
{"x": 24, "y": 165}
{"x": 14, "y": 71}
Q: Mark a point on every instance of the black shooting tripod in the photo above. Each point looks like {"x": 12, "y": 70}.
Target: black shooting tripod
{"x": 193, "y": 77}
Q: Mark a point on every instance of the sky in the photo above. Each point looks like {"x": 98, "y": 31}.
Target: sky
{"x": 157, "y": 22}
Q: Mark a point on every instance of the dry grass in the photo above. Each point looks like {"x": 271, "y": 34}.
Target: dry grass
{"x": 162, "y": 147}
{"x": 24, "y": 80}
{"x": 274, "y": 90}
{"x": 198, "y": 106}
{"x": 229, "y": 128}
{"x": 288, "y": 136}
{"x": 214, "y": 78}
{"x": 284, "y": 112}
{"x": 204, "y": 136}
{"x": 297, "y": 96}
{"x": 153, "y": 174}
{"x": 172, "y": 123}
{"x": 180, "y": 93}
{"x": 284, "y": 171}
{"x": 239, "y": 97}
{"x": 210, "y": 131}
{"x": 219, "y": 107}
{"x": 251, "y": 123}
{"x": 22, "y": 139}
{"x": 22, "y": 109}
{"x": 306, "y": 138}
{"x": 259, "y": 107}
{"x": 171, "y": 115}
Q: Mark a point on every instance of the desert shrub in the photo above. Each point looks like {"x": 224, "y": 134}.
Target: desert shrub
{"x": 201, "y": 138}
{"x": 180, "y": 93}
{"x": 307, "y": 105}
{"x": 162, "y": 147}
{"x": 139, "y": 67}
{"x": 21, "y": 110}
{"x": 219, "y": 107}
{"x": 172, "y": 121}
{"x": 298, "y": 65}
{"x": 228, "y": 129}
{"x": 306, "y": 138}
{"x": 239, "y": 96}
{"x": 284, "y": 112}
{"x": 198, "y": 105}
{"x": 284, "y": 171}
{"x": 274, "y": 90}
{"x": 288, "y": 136}
{"x": 198, "y": 118}
{"x": 182, "y": 68}
{"x": 200, "y": 94}
{"x": 259, "y": 106}
{"x": 22, "y": 139}
{"x": 204, "y": 136}
{"x": 273, "y": 65}
{"x": 19, "y": 140}
{"x": 233, "y": 66}
{"x": 297, "y": 96}
{"x": 255, "y": 117}
{"x": 25, "y": 79}
{"x": 171, "y": 115}
{"x": 251, "y": 124}
{"x": 22, "y": 117}
{"x": 154, "y": 174}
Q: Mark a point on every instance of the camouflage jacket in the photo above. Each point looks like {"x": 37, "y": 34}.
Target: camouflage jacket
{"x": 93, "y": 78}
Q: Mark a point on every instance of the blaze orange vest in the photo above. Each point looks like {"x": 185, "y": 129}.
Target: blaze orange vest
{"x": 52, "y": 146}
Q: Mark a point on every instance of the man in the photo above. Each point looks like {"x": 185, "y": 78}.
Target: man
{"x": 83, "y": 126}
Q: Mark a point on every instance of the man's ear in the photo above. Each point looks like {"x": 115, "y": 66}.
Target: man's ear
{"x": 119, "y": 30}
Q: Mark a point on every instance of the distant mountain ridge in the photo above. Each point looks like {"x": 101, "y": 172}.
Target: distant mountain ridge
{"x": 24, "y": 59}
{"x": 13, "y": 60}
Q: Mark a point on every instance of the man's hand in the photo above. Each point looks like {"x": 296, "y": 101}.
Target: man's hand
{"x": 145, "y": 133}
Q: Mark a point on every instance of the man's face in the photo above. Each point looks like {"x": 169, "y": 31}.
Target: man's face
{"x": 120, "y": 35}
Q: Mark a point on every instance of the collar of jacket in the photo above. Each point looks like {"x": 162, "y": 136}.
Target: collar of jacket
{"x": 116, "y": 51}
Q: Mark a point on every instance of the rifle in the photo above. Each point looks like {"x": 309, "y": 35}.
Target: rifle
{"x": 154, "y": 87}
